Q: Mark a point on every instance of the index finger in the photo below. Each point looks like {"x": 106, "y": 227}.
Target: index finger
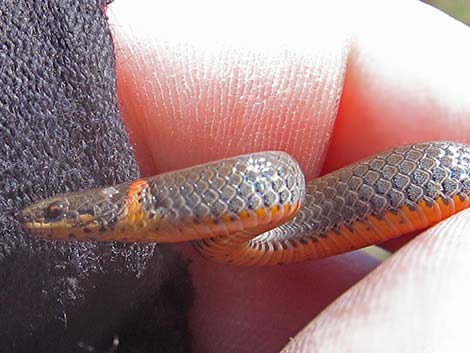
{"x": 215, "y": 88}
{"x": 197, "y": 95}
{"x": 407, "y": 81}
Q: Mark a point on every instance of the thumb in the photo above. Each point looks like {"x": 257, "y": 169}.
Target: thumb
{"x": 417, "y": 301}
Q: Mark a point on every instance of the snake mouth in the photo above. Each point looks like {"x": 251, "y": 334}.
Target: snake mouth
{"x": 59, "y": 230}
{"x": 31, "y": 218}
{"x": 32, "y": 221}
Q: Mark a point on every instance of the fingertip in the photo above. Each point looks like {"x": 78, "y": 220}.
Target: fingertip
{"x": 406, "y": 81}
{"x": 204, "y": 87}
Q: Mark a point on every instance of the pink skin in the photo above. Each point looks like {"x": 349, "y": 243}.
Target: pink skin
{"x": 195, "y": 86}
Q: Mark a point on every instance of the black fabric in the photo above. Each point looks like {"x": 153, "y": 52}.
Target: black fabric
{"x": 60, "y": 130}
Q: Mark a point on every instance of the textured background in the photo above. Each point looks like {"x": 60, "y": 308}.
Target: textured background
{"x": 60, "y": 130}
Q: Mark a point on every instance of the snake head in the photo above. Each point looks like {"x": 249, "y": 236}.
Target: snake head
{"x": 46, "y": 213}
{"x": 81, "y": 215}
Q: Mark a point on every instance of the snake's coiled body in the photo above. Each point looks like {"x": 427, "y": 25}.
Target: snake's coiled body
{"x": 235, "y": 208}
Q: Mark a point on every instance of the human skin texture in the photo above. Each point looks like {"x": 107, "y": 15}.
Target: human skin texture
{"x": 329, "y": 85}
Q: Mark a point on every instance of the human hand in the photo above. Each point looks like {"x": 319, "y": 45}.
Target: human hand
{"x": 198, "y": 85}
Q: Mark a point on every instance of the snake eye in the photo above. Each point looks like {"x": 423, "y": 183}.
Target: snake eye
{"x": 54, "y": 210}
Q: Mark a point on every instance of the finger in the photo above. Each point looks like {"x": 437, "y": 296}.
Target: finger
{"x": 404, "y": 83}
{"x": 416, "y": 301}
{"x": 407, "y": 81}
{"x": 186, "y": 99}
{"x": 258, "y": 309}
{"x": 204, "y": 86}
{"x": 250, "y": 96}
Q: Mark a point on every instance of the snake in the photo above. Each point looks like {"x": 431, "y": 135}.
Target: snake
{"x": 257, "y": 209}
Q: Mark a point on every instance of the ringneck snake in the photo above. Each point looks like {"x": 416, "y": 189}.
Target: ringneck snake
{"x": 256, "y": 209}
